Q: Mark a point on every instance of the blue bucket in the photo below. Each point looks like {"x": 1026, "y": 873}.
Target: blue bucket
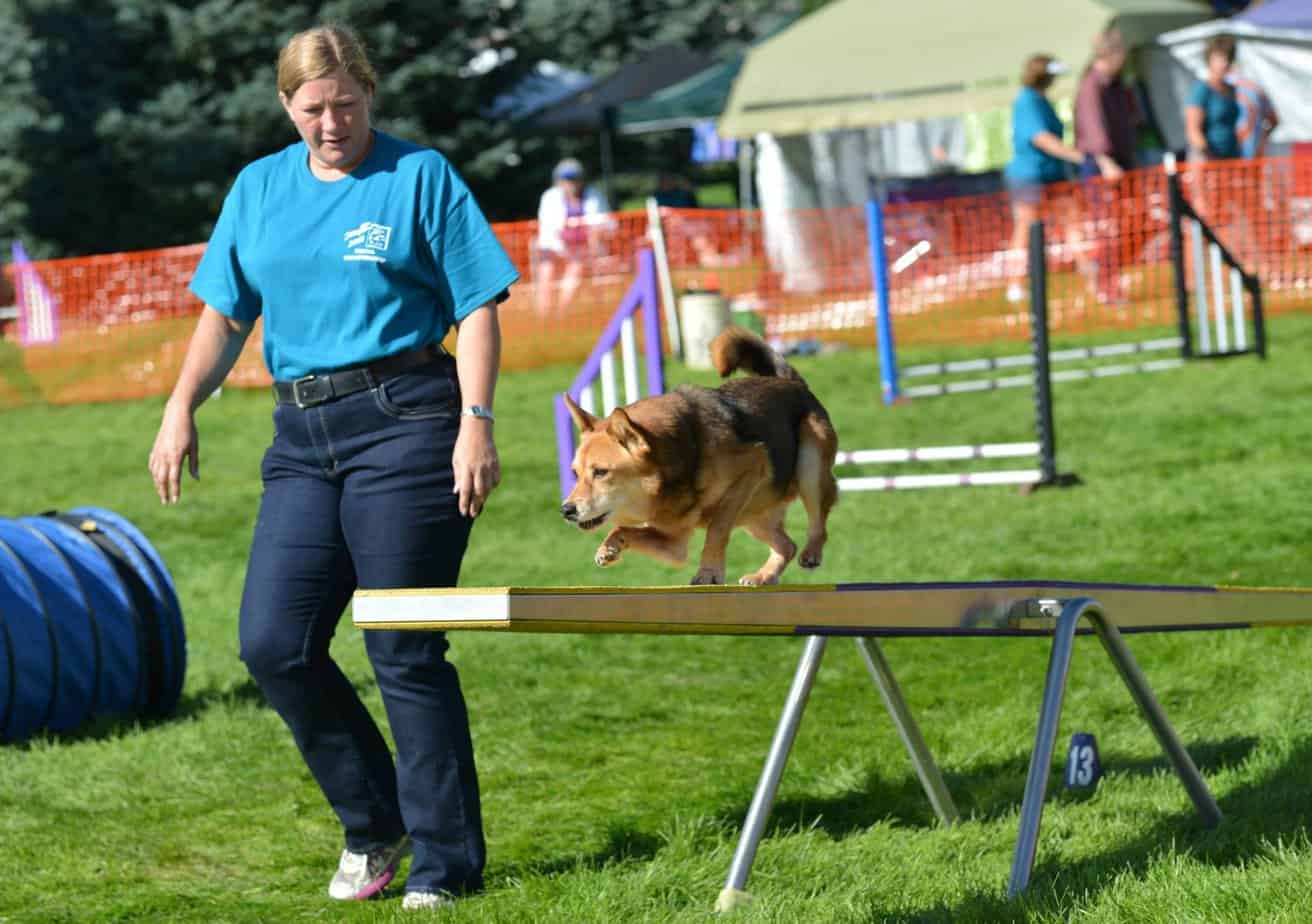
{"x": 90, "y": 624}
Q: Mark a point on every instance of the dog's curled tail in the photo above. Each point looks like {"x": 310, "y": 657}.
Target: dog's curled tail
{"x": 736, "y": 348}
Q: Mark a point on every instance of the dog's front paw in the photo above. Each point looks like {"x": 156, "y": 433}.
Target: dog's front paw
{"x": 709, "y": 576}
{"x": 759, "y": 578}
{"x": 607, "y": 555}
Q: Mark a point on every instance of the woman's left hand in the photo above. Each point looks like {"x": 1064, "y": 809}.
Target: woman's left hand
{"x": 477, "y": 468}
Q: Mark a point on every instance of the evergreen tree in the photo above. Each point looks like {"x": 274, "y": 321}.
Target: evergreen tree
{"x": 124, "y": 122}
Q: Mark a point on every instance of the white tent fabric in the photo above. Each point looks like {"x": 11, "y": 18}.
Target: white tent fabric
{"x": 1279, "y": 60}
{"x": 854, "y": 63}
{"x": 863, "y": 89}
{"x": 832, "y": 171}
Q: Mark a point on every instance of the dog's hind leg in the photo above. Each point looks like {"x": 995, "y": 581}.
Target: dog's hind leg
{"x": 817, "y": 447}
{"x": 770, "y": 530}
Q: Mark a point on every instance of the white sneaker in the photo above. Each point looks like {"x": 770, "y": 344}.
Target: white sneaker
{"x": 433, "y": 901}
{"x": 364, "y": 875}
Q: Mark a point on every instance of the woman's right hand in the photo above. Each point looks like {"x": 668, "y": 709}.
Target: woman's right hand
{"x": 177, "y": 440}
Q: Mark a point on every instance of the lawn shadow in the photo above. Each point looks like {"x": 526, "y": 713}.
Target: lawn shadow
{"x": 246, "y": 692}
{"x": 190, "y": 706}
{"x": 623, "y": 845}
{"x": 983, "y": 792}
{"x": 1274, "y": 806}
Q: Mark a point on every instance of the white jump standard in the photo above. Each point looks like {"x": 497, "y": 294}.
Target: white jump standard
{"x": 867, "y": 612}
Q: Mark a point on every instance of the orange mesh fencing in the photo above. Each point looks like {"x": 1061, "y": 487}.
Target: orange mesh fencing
{"x": 957, "y": 276}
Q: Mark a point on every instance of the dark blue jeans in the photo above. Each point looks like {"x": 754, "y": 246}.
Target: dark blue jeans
{"x": 358, "y": 493}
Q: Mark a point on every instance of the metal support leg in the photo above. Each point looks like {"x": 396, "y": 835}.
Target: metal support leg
{"x": 734, "y": 894}
{"x": 921, "y": 758}
{"x": 1036, "y": 783}
{"x": 1157, "y": 720}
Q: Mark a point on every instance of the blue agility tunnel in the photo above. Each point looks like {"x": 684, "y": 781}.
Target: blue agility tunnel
{"x": 90, "y": 624}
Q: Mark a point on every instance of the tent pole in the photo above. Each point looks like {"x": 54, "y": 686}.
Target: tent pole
{"x": 609, "y": 116}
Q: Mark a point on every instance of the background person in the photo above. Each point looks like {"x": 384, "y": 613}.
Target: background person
{"x": 1039, "y": 156}
{"x": 359, "y": 250}
{"x": 1258, "y": 117}
{"x": 1211, "y": 114}
{"x": 1106, "y": 115}
{"x": 1106, "y": 120}
{"x": 569, "y": 221}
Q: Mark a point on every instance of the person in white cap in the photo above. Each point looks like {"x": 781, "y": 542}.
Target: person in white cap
{"x": 569, "y": 215}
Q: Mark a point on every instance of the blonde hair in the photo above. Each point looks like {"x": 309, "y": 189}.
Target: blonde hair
{"x": 319, "y": 52}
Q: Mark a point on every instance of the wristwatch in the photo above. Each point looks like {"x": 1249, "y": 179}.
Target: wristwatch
{"x": 477, "y": 410}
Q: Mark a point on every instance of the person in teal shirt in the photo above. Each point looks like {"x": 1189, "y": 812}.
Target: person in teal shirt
{"x": 1039, "y": 157}
{"x": 1212, "y": 113}
{"x": 359, "y": 251}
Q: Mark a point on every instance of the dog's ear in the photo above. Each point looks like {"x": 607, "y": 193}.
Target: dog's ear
{"x": 627, "y": 433}
{"x": 582, "y": 419}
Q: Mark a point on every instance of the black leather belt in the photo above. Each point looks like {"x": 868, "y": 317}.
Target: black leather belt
{"x": 320, "y": 388}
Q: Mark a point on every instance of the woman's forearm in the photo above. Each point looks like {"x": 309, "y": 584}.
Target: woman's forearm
{"x": 1053, "y": 146}
{"x": 213, "y": 351}
{"x": 1193, "y": 128}
{"x": 478, "y": 356}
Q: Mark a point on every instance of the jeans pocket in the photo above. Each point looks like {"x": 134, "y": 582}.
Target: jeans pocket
{"x": 425, "y": 393}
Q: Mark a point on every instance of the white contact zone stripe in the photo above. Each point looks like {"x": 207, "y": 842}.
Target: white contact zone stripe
{"x": 379, "y": 608}
{"x": 960, "y": 480}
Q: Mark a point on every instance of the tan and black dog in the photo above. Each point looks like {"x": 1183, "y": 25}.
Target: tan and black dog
{"x": 716, "y": 458}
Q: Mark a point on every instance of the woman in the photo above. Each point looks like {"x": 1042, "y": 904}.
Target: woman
{"x": 1039, "y": 157}
{"x": 1211, "y": 117}
{"x": 570, "y": 214}
{"x": 359, "y": 251}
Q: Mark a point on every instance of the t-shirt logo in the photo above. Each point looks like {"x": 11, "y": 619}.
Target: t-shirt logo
{"x": 366, "y": 242}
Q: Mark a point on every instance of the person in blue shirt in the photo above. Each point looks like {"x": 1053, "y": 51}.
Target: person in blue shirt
{"x": 1039, "y": 157}
{"x": 359, "y": 251}
{"x": 1211, "y": 116}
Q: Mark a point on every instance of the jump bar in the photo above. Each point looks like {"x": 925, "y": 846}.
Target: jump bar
{"x": 987, "y": 363}
{"x": 937, "y": 453}
{"x": 951, "y": 480}
{"x": 1002, "y": 608}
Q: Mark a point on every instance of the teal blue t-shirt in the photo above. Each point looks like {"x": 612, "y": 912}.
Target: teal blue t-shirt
{"x": 1032, "y": 115}
{"x": 383, "y": 260}
{"x": 1220, "y": 118}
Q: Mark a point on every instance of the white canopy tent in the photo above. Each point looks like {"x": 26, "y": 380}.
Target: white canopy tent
{"x": 1274, "y": 49}
{"x": 855, "y": 63}
{"x": 862, "y": 89}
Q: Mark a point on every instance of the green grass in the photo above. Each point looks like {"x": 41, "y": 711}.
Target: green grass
{"x": 616, "y": 769}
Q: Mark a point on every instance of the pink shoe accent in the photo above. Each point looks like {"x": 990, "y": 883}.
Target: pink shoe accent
{"x": 373, "y": 888}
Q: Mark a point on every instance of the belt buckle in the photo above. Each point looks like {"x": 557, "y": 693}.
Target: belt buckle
{"x": 312, "y": 400}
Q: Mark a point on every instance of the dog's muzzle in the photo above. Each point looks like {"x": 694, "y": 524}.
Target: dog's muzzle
{"x": 571, "y": 514}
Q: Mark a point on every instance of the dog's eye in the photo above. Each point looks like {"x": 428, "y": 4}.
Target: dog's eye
{"x": 600, "y": 472}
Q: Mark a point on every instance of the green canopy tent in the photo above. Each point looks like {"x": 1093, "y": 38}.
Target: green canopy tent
{"x": 857, "y": 63}
{"x": 701, "y": 96}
